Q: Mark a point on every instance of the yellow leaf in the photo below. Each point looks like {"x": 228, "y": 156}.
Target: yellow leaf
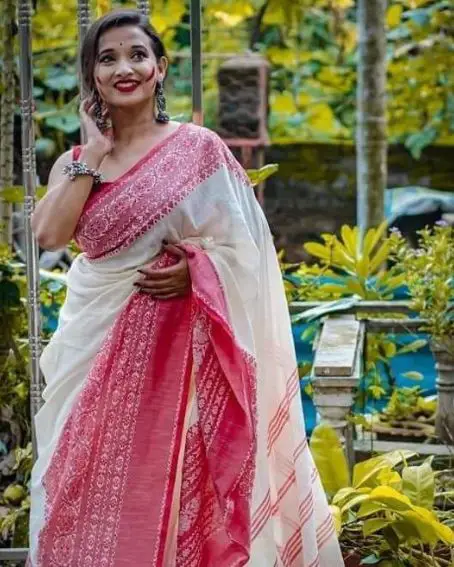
{"x": 390, "y": 497}
{"x": 318, "y": 250}
{"x": 284, "y": 103}
{"x": 428, "y": 526}
{"x": 390, "y": 349}
{"x": 280, "y": 56}
{"x": 259, "y": 175}
{"x": 333, "y": 289}
{"x": 380, "y": 257}
{"x": 321, "y": 118}
{"x": 365, "y": 473}
{"x": 349, "y": 238}
{"x": 304, "y": 99}
{"x": 394, "y": 15}
{"x": 373, "y": 237}
{"x": 355, "y": 287}
{"x": 349, "y": 38}
{"x": 330, "y": 76}
{"x": 389, "y": 477}
{"x": 362, "y": 267}
{"x": 102, "y": 7}
{"x": 359, "y": 499}
{"x": 275, "y": 14}
{"x": 329, "y": 458}
{"x": 337, "y": 518}
{"x": 230, "y": 19}
{"x": 343, "y": 4}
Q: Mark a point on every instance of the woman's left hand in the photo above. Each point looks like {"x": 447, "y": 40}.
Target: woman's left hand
{"x": 166, "y": 283}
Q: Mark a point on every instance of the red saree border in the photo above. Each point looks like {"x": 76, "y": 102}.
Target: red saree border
{"x": 114, "y": 218}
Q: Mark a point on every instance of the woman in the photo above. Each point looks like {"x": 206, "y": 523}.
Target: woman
{"x": 171, "y": 433}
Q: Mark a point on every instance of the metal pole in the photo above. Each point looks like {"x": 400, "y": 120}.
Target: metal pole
{"x": 144, "y": 7}
{"x": 83, "y": 13}
{"x": 29, "y": 180}
{"x": 196, "y": 55}
{"x": 83, "y": 16}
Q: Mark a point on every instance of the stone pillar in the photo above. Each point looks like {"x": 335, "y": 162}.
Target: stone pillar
{"x": 444, "y": 421}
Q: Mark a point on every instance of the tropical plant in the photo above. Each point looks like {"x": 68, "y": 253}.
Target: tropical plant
{"x": 388, "y": 510}
{"x": 359, "y": 264}
{"x": 429, "y": 275}
{"x": 15, "y": 500}
{"x": 409, "y": 403}
{"x": 15, "y": 434}
{"x": 356, "y": 266}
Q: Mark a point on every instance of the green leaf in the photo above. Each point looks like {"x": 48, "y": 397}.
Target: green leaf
{"x": 63, "y": 82}
{"x": 374, "y": 525}
{"x": 367, "y": 508}
{"x": 419, "y": 484}
{"x": 257, "y": 176}
{"x": 45, "y": 147}
{"x": 330, "y": 459}
{"x": 371, "y": 560}
{"x": 13, "y": 194}
{"x": 420, "y": 140}
{"x": 413, "y": 346}
{"x": 67, "y": 123}
{"x": 413, "y": 375}
{"x": 391, "y": 537}
{"x": 9, "y": 294}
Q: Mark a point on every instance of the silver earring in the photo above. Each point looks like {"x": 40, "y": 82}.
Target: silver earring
{"x": 161, "y": 104}
{"x": 100, "y": 119}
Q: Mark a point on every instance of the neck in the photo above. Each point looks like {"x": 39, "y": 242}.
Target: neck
{"x": 132, "y": 123}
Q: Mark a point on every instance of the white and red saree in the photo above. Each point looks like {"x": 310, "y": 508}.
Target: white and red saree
{"x": 172, "y": 431}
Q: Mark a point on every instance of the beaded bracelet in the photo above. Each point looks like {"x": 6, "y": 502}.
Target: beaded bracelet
{"x": 76, "y": 168}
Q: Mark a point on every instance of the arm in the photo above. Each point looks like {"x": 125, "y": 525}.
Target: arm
{"x": 56, "y": 215}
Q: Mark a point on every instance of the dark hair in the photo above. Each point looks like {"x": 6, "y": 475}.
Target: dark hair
{"x": 115, "y": 19}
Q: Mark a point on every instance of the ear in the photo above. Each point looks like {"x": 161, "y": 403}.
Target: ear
{"x": 163, "y": 65}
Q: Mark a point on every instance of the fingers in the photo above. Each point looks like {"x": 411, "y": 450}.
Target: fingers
{"x": 164, "y": 273}
{"x": 168, "y": 283}
{"x": 164, "y": 293}
{"x": 178, "y": 252}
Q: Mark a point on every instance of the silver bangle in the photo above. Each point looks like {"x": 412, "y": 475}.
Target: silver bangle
{"x": 76, "y": 168}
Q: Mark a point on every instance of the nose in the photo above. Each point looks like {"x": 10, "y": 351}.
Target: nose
{"x": 123, "y": 68}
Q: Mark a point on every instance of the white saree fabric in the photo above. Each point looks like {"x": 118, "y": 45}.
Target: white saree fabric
{"x": 291, "y": 524}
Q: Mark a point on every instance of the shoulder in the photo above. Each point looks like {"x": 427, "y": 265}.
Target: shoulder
{"x": 214, "y": 152}
{"x": 205, "y": 136}
{"x": 209, "y": 143}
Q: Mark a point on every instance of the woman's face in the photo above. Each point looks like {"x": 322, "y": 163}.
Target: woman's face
{"x": 126, "y": 70}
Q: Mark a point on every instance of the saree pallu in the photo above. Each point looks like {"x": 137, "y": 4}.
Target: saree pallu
{"x": 172, "y": 430}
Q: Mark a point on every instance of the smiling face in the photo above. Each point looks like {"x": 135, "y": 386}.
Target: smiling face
{"x": 126, "y": 70}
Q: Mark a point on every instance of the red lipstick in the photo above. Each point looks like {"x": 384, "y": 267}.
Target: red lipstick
{"x": 126, "y": 86}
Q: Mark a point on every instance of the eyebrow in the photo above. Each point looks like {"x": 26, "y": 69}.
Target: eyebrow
{"x": 111, "y": 49}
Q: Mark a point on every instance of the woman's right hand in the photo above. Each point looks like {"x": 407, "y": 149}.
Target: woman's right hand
{"x": 100, "y": 142}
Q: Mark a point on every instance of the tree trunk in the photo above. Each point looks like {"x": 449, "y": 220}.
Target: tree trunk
{"x": 371, "y": 137}
{"x": 7, "y": 103}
